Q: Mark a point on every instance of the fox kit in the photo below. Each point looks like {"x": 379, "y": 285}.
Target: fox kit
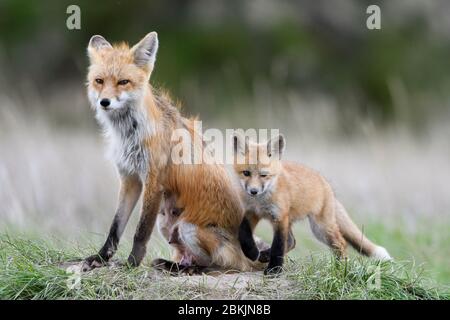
{"x": 284, "y": 192}
{"x": 167, "y": 223}
{"x": 167, "y": 220}
{"x": 138, "y": 123}
{"x": 168, "y": 216}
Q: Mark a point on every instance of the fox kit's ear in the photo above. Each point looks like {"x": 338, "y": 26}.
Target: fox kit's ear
{"x": 96, "y": 43}
{"x": 240, "y": 143}
{"x": 145, "y": 50}
{"x": 276, "y": 146}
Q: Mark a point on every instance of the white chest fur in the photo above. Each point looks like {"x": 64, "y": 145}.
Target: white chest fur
{"x": 126, "y": 131}
{"x": 262, "y": 206}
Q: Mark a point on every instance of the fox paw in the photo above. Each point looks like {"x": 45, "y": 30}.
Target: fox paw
{"x": 273, "y": 271}
{"x": 92, "y": 262}
{"x": 264, "y": 256}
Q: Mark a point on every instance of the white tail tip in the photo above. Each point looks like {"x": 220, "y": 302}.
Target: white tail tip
{"x": 381, "y": 253}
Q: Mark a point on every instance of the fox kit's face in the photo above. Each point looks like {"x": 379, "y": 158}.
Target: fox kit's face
{"x": 169, "y": 216}
{"x": 118, "y": 75}
{"x": 260, "y": 165}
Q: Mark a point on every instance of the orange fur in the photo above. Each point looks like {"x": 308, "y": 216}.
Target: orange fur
{"x": 285, "y": 192}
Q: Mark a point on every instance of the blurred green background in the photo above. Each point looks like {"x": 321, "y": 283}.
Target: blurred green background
{"x": 226, "y": 46}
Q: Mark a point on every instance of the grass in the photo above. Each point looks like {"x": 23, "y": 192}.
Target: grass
{"x": 422, "y": 247}
{"x": 30, "y": 268}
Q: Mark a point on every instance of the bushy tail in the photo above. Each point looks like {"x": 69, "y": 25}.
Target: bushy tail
{"x": 356, "y": 238}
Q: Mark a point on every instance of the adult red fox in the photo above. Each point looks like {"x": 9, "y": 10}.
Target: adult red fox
{"x": 138, "y": 122}
{"x": 284, "y": 192}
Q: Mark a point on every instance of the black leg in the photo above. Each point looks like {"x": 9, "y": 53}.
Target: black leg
{"x": 246, "y": 240}
{"x": 152, "y": 200}
{"x": 107, "y": 250}
{"x": 143, "y": 232}
{"x": 130, "y": 190}
{"x": 276, "y": 253}
{"x": 264, "y": 256}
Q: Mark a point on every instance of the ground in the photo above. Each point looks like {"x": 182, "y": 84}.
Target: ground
{"x": 35, "y": 268}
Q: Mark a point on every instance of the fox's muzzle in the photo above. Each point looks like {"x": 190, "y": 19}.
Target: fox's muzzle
{"x": 254, "y": 191}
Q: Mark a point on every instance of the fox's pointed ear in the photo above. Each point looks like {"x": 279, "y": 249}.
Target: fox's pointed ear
{"x": 240, "y": 143}
{"x": 97, "y": 42}
{"x": 276, "y": 146}
{"x": 145, "y": 50}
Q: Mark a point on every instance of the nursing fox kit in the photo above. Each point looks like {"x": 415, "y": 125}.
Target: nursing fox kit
{"x": 284, "y": 192}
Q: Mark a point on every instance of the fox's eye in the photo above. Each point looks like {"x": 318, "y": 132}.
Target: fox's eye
{"x": 123, "y": 82}
{"x": 99, "y": 81}
{"x": 263, "y": 175}
{"x": 246, "y": 173}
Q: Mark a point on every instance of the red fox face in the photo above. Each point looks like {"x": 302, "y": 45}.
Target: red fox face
{"x": 118, "y": 74}
{"x": 169, "y": 214}
{"x": 261, "y": 164}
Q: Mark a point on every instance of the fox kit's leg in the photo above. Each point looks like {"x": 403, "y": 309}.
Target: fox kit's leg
{"x": 324, "y": 226}
{"x": 248, "y": 244}
{"x": 130, "y": 190}
{"x": 279, "y": 245}
{"x": 253, "y": 220}
{"x": 264, "y": 255}
{"x": 246, "y": 239}
{"x": 262, "y": 245}
{"x": 150, "y": 207}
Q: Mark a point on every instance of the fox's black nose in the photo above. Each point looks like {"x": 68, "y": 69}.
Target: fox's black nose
{"x": 105, "y": 102}
{"x": 254, "y": 191}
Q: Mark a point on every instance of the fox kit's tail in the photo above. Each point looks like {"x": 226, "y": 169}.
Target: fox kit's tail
{"x": 356, "y": 238}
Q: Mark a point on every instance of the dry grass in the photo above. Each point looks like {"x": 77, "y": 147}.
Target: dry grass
{"x": 55, "y": 168}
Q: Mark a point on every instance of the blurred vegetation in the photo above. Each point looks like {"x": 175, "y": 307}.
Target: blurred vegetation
{"x": 312, "y": 47}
